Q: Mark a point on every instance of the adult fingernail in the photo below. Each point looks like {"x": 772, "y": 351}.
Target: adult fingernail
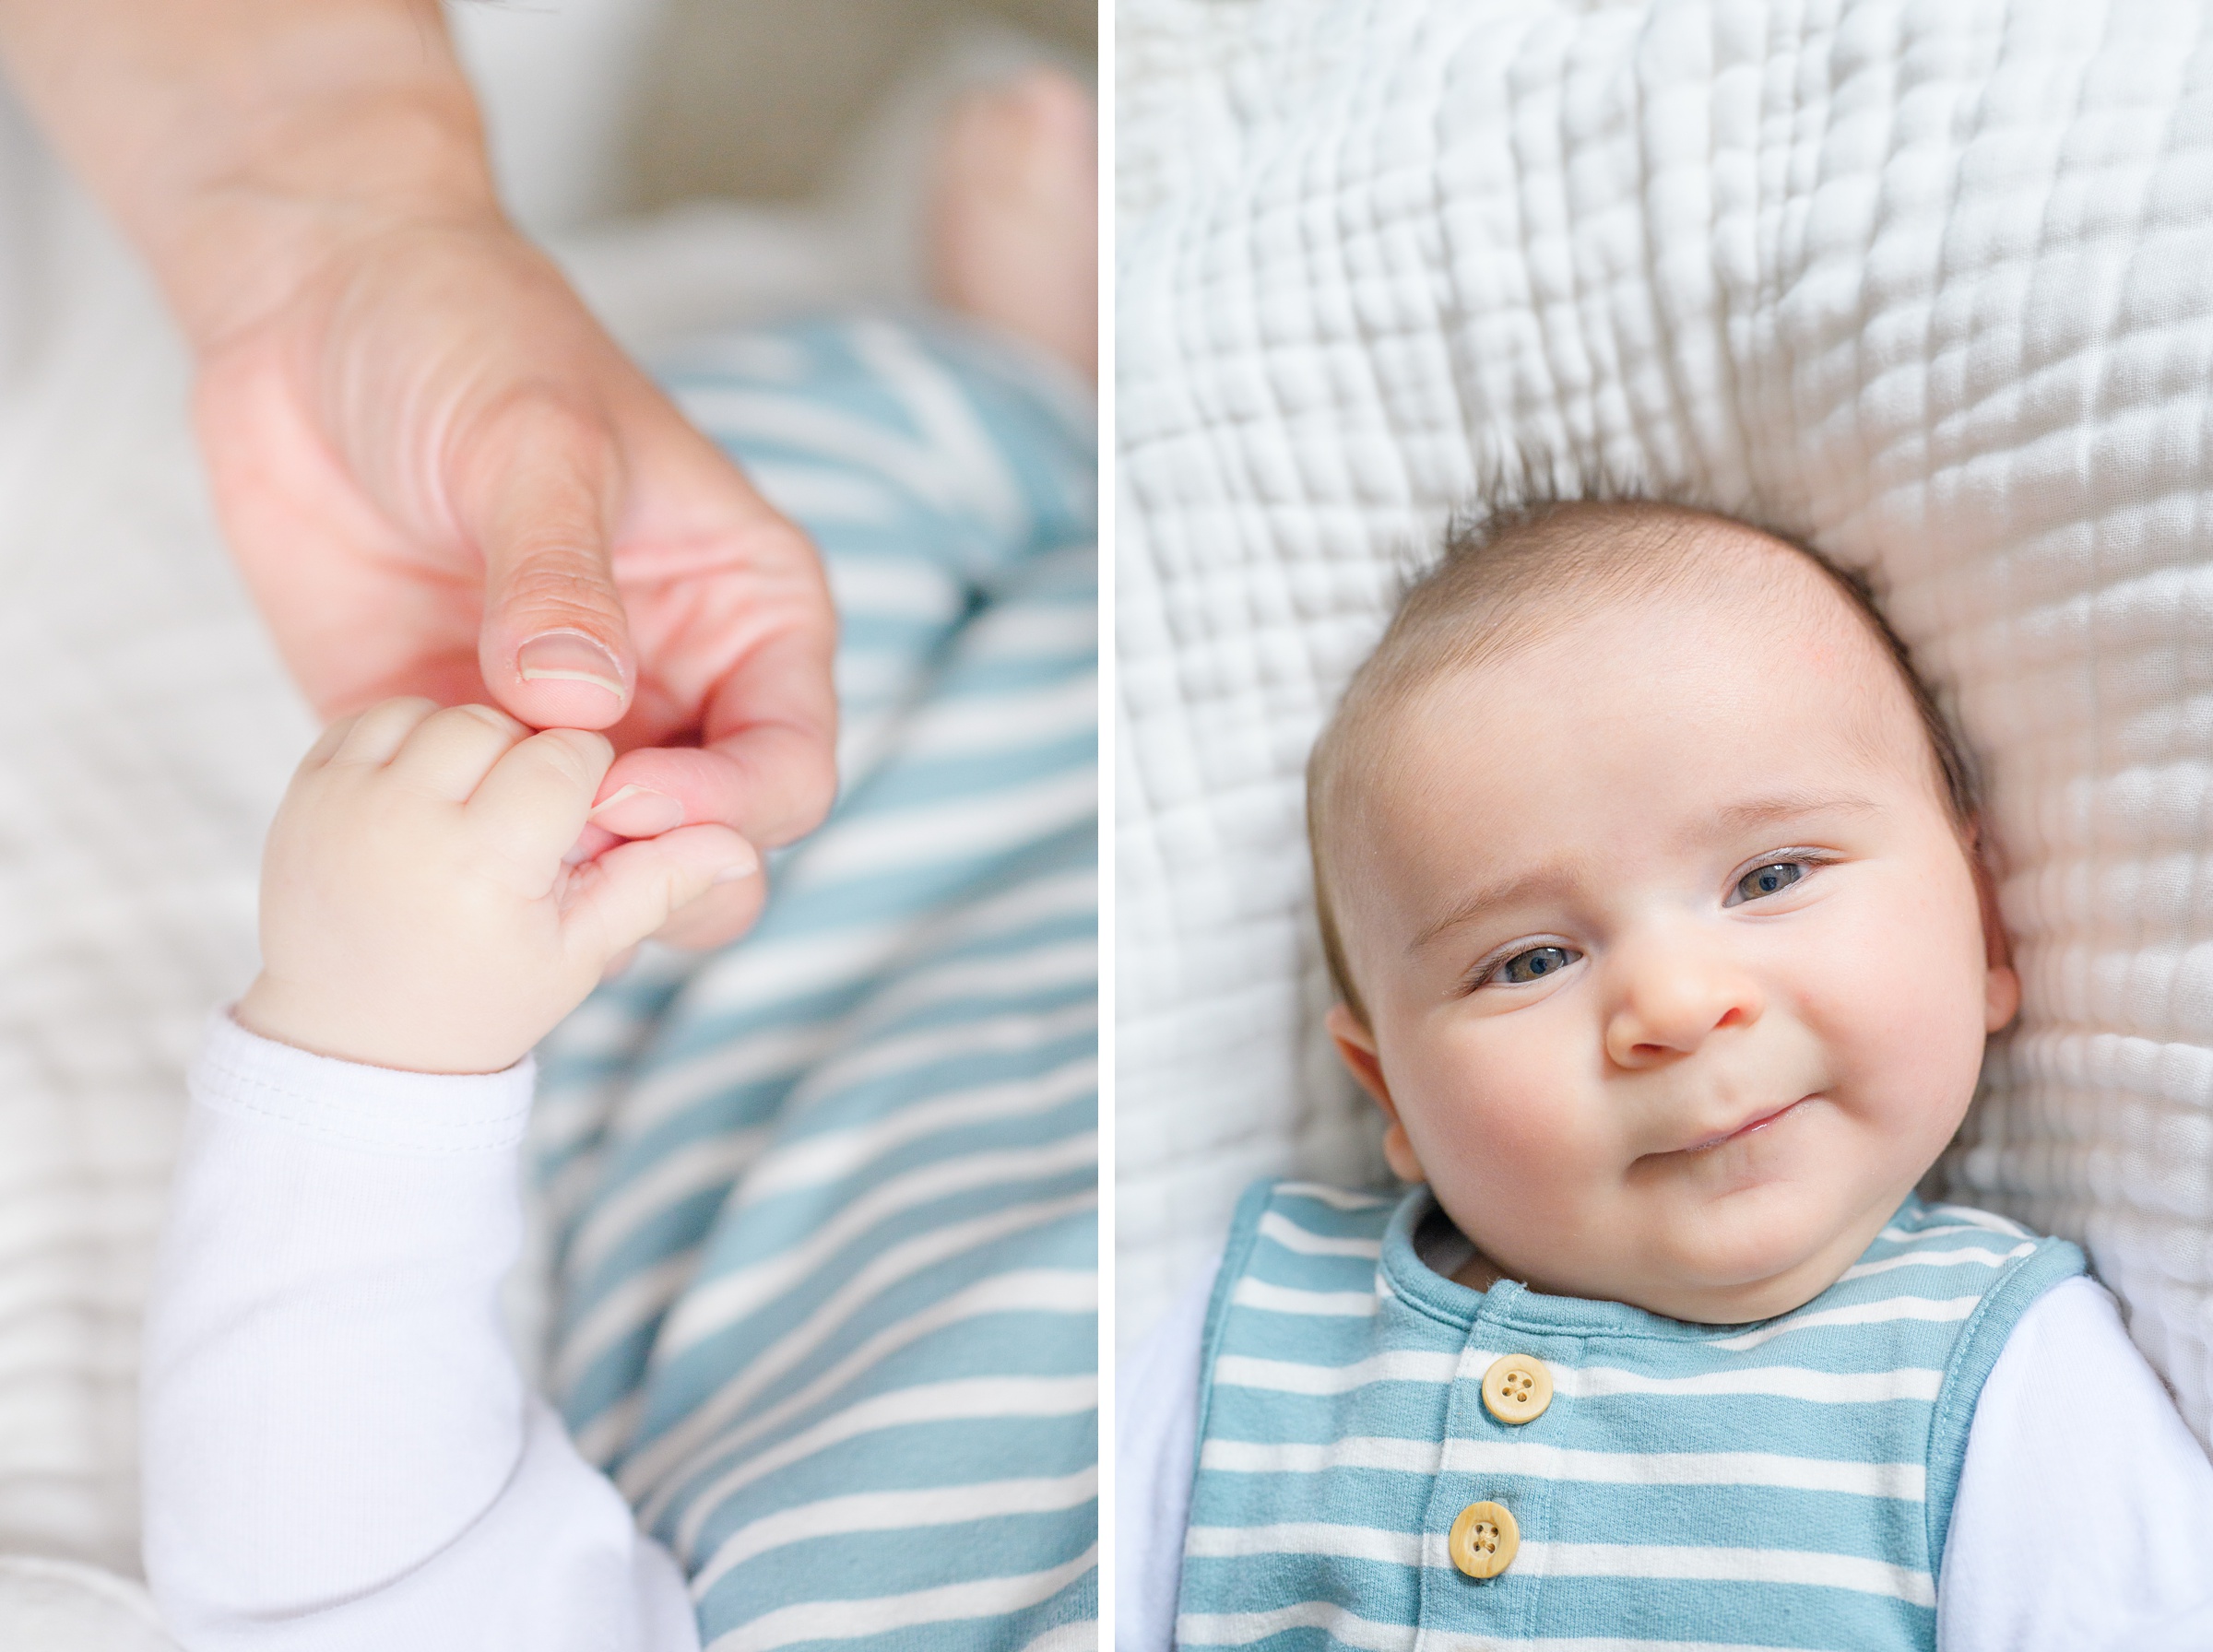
{"x": 568, "y": 657}
{"x": 635, "y": 811}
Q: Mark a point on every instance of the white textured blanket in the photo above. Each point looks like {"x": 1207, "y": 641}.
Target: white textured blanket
{"x": 1931, "y": 283}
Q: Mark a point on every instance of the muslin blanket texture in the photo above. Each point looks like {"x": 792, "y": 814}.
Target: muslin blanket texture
{"x": 1929, "y": 283}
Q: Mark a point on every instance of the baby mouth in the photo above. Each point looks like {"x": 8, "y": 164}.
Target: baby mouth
{"x": 1759, "y": 1121}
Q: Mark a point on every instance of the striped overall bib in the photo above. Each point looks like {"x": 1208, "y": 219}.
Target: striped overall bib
{"x": 1374, "y": 1439}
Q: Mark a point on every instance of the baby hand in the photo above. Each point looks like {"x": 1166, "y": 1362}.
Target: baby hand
{"x": 415, "y": 909}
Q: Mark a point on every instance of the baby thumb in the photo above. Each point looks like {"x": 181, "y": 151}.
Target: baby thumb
{"x": 630, "y": 892}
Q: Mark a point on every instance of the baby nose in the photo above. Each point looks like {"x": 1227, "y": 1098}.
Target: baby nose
{"x": 1672, "y": 998}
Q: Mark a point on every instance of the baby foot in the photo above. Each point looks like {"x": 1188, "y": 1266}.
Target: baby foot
{"x": 1014, "y": 223}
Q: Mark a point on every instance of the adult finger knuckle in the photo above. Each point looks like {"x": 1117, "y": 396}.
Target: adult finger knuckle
{"x": 560, "y": 582}
{"x": 536, "y": 421}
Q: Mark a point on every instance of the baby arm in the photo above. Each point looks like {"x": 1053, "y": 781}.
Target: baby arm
{"x": 2084, "y": 1502}
{"x": 339, "y": 1450}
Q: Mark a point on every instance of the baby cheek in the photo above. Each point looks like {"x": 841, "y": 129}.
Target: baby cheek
{"x": 1901, "y": 1006}
{"x": 1499, "y": 1124}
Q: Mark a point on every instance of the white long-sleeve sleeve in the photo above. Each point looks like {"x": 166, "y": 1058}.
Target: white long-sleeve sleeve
{"x": 2080, "y": 1524}
{"x": 339, "y": 1449}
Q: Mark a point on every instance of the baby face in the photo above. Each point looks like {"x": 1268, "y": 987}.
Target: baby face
{"x": 1672, "y": 953}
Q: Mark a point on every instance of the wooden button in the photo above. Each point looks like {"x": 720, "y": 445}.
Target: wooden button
{"x": 1517, "y": 1388}
{"x": 1484, "y": 1539}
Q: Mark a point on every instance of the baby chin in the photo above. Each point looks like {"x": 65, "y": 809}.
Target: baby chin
{"x": 1760, "y": 1221}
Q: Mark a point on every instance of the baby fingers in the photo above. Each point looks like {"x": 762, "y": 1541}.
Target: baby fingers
{"x": 328, "y": 743}
{"x": 630, "y": 892}
{"x": 535, "y": 796}
{"x": 450, "y": 753}
{"x": 373, "y": 738}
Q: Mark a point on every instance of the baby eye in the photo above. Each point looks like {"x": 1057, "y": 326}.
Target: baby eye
{"x": 1768, "y": 880}
{"x": 1534, "y": 964}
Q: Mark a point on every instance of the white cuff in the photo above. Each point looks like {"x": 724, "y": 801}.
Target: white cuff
{"x": 350, "y": 1104}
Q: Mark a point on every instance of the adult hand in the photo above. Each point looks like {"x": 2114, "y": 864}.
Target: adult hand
{"x": 438, "y": 474}
{"x": 440, "y": 477}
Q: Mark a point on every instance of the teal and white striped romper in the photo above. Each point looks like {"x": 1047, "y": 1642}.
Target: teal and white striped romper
{"x": 1786, "y": 1484}
{"x": 823, "y": 1204}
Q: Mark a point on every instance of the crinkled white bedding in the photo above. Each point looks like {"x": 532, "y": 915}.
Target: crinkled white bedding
{"x": 1930, "y": 282}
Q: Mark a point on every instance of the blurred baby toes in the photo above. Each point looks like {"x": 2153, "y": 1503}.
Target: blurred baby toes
{"x": 417, "y": 909}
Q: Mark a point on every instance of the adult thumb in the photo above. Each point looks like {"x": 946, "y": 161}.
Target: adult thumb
{"x": 537, "y": 495}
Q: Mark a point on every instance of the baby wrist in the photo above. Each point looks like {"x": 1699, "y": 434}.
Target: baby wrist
{"x": 274, "y": 1010}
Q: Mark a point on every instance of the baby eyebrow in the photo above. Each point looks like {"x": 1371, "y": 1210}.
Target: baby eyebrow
{"x": 1788, "y": 805}
{"x": 1539, "y": 883}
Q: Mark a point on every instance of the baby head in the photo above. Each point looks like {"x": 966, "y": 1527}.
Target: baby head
{"x": 1647, "y": 875}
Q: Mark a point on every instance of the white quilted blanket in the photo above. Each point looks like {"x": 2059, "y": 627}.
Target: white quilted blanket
{"x": 1931, "y": 282}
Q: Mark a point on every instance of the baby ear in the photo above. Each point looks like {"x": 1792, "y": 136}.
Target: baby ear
{"x": 2001, "y": 997}
{"x": 2001, "y": 981}
{"x": 1356, "y": 1048}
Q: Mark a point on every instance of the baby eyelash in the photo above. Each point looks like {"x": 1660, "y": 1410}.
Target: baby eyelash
{"x": 1495, "y": 961}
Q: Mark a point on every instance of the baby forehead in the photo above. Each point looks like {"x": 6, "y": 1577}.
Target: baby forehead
{"x": 1676, "y": 692}
{"x": 1588, "y": 560}
{"x": 1645, "y": 732}
{"x": 1584, "y": 581}
{"x": 1592, "y": 621}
